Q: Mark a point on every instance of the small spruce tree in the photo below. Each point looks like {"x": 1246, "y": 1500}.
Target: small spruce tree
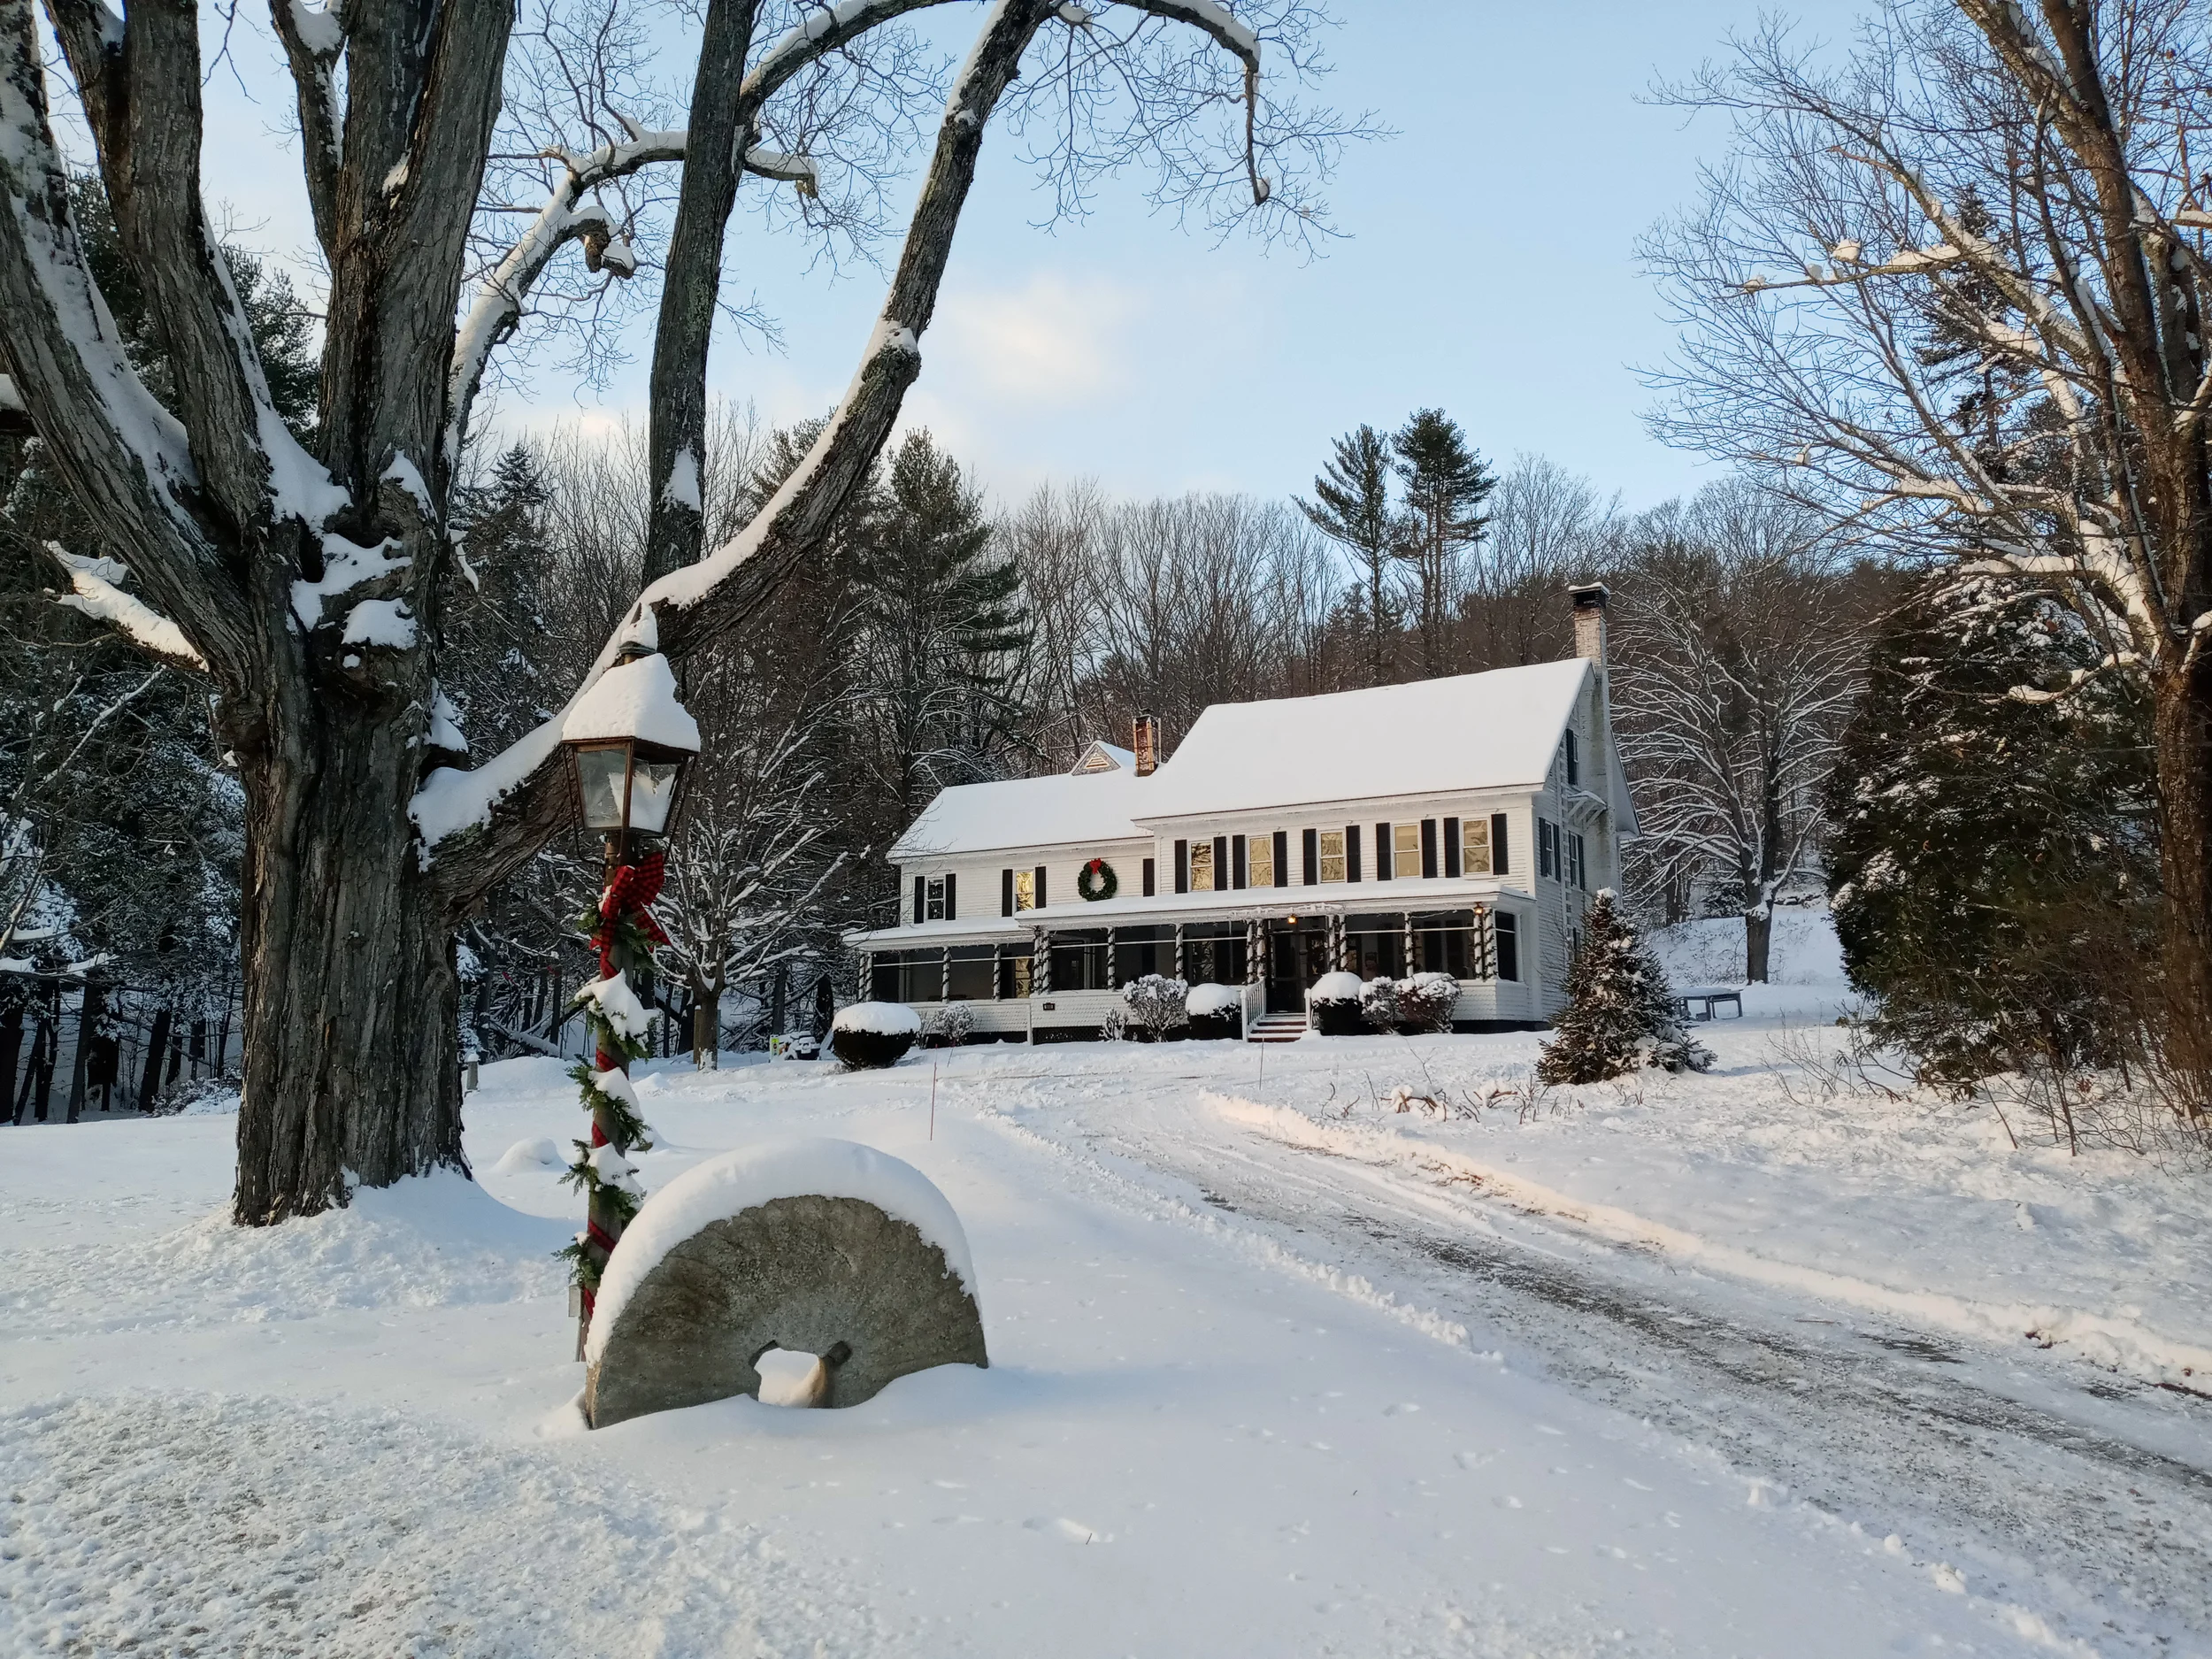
{"x": 1620, "y": 1012}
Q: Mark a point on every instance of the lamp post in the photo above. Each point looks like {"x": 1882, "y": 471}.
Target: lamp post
{"x": 628, "y": 738}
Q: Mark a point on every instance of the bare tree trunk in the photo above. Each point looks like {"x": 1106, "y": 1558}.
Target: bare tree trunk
{"x": 352, "y": 1059}
{"x": 691, "y": 290}
{"x": 157, "y": 1051}
{"x": 88, "y": 1012}
{"x": 10, "y": 1049}
{"x": 2183, "y": 720}
{"x": 1758, "y": 933}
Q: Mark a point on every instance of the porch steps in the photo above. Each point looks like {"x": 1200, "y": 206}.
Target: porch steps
{"x": 1275, "y": 1028}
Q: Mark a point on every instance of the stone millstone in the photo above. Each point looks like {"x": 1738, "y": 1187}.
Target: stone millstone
{"x": 799, "y": 1273}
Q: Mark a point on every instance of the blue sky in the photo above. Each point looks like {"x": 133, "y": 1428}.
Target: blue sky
{"x": 1489, "y": 270}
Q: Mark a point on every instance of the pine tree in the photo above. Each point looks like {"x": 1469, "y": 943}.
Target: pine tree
{"x": 1620, "y": 1012}
{"x": 1445, "y": 485}
{"x": 1351, "y": 506}
{"x": 1992, "y": 864}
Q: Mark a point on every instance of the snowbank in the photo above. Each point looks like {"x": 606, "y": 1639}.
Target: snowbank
{"x": 737, "y": 1181}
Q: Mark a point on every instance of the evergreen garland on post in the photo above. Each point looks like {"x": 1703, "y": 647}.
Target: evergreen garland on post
{"x": 623, "y": 931}
{"x": 1621, "y": 1012}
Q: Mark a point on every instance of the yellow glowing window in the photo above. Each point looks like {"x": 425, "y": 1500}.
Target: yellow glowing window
{"x": 1474, "y": 847}
{"x": 1332, "y": 854}
{"x": 1259, "y": 862}
{"x": 1025, "y": 890}
{"x": 1201, "y": 867}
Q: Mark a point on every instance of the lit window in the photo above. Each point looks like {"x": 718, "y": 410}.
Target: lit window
{"x": 1259, "y": 862}
{"x": 1405, "y": 849}
{"x": 1201, "y": 867}
{"x": 935, "y": 911}
{"x": 1332, "y": 854}
{"x": 1474, "y": 847}
{"x": 1024, "y": 892}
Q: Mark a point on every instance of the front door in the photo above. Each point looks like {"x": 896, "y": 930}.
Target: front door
{"x": 1295, "y": 953}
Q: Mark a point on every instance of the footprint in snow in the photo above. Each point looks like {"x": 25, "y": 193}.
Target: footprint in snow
{"x": 1069, "y": 1531}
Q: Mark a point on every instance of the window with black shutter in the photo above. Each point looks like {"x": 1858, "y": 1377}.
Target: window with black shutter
{"x": 1236, "y": 860}
{"x": 1148, "y": 878}
{"x": 1574, "y": 758}
{"x": 1041, "y": 899}
{"x": 1451, "y": 847}
{"x": 1351, "y": 852}
{"x": 921, "y": 898}
{"x": 1282, "y": 858}
{"x": 1182, "y": 866}
{"x": 1385, "y": 869}
{"x": 952, "y": 898}
{"x": 1221, "y": 863}
{"x": 1006, "y": 892}
{"x": 1311, "y": 844}
{"x": 1499, "y": 864}
{"x": 1428, "y": 849}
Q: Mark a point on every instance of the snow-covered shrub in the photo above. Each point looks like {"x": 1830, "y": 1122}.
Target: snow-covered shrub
{"x": 1379, "y": 1003}
{"x": 1155, "y": 1005}
{"x": 1425, "y": 1002}
{"x": 1216, "y": 1011}
{"x": 1114, "y": 1026}
{"x": 952, "y": 1025}
{"x": 1333, "y": 1005}
{"x": 1620, "y": 1012}
{"x": 868, "y": 1034}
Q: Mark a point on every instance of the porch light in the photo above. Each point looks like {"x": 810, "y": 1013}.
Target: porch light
{"x": 629, "y": 738}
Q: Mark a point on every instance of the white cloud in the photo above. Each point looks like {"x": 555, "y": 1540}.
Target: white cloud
{"x": 1055, "y": 340}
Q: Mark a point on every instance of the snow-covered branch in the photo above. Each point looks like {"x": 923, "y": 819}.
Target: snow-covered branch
{"x": 98, "y": 593}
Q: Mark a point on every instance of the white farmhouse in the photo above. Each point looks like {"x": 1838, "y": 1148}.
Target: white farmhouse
{"x": 1456, "y": 825}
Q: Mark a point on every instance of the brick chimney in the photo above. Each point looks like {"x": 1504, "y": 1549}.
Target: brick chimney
{"x": 1589, "y": 603}
{"x": 1146, "y": 744}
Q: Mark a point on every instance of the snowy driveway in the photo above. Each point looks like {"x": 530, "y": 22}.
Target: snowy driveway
{"x": 1254, "y": 1391}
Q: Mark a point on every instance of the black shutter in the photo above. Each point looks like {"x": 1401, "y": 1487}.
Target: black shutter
{"x": 1041, "y": 886}
{"x": 1006, "y": 892}
{"x": 952, "y": 900}
{"x": 1282, "y": 858}
{"x": 1384, "y": 870}
{"x": 1236, "y": 860}
{"x": 1451, "y": 846}
{"x": 1148, "y": 878}
{"x": 1182, "y": 866}
{"x": 1221, "y": 863}
{"x": 1312, "y": 850}
{"x": 1428, "y": 849}
{"x": 1351, "y": 852}
{"x": 1498, "y": 863}
{"x": 921, "y": 899}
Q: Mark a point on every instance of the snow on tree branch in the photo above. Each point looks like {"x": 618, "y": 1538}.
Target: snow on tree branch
{"x": 98, "y": 593}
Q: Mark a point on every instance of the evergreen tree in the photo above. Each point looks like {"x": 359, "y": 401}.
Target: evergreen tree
{"x": 943, "y": 632}
{"x": 1445, "y": 485}
{"x": 1351, "y": 506}
{"x": 1992, "y": 863}
{"x": 1620, "y": 1012}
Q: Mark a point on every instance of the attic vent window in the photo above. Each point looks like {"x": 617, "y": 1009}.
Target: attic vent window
{"x": 1574, "y": 758}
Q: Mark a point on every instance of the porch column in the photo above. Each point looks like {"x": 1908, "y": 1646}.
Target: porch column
{"x": 1406, "y": 917}
{"x": 1179, "y": 971}
{"x": 1040, "y": 963}
{"x": 1255, "y": 949}
{"x": 944, "y": 974}
{"x": 1336, "y": 941}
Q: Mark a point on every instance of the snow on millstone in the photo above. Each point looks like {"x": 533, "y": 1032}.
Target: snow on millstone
{"x": 814, "y": 1246}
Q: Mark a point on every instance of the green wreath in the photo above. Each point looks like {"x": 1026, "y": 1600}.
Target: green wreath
{"x": 1097, "y": 880}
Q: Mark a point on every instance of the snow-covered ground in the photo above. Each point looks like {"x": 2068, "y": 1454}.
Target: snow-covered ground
{"x": 1704, "y": 1365}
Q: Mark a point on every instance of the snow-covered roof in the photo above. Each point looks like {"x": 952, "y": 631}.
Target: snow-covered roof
{"x": 1427, "y": 737}
{"x": 1091, "y": 808}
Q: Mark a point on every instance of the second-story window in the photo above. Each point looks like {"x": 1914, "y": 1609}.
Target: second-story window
{"x": 1332, "y": 854}
{"x": 1259, "y": 860}
{"x": 1405, "y": 850}
{"x": 935, "y": 909}
{"x": 1024, "y": 892}
{"x": 1201, "y": 866}
{"x": 1474, "y": 847}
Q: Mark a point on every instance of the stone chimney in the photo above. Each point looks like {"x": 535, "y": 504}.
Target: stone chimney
{"x": 1589, "y": 603}
{"x": 1146, "y": 744}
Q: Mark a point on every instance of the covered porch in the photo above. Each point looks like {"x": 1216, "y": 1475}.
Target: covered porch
{"x": 1046, "y": 974}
